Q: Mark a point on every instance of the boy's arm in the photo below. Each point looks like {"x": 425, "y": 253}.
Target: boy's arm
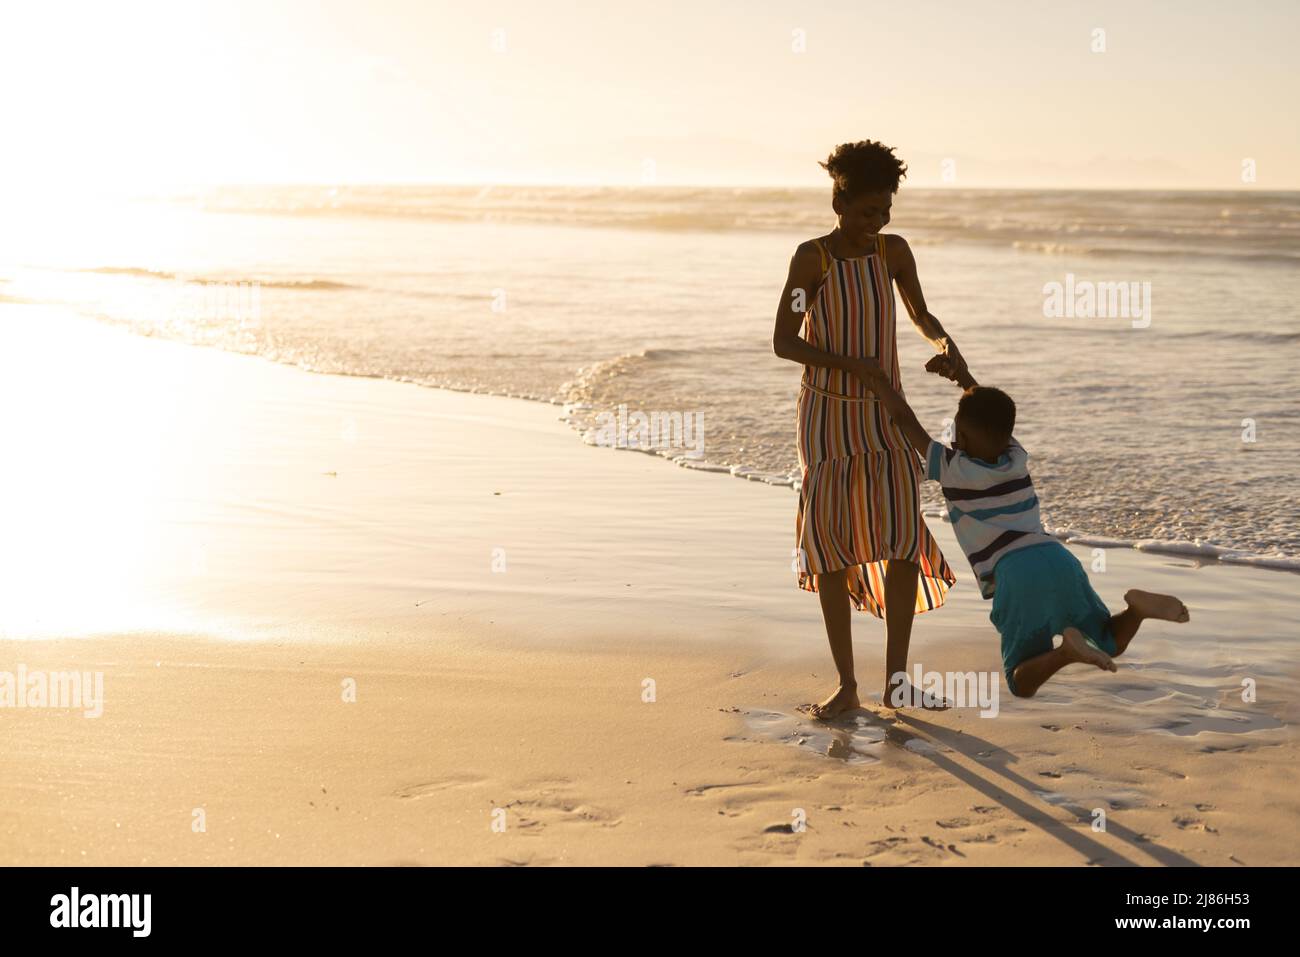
{"x": 874, "y": 378}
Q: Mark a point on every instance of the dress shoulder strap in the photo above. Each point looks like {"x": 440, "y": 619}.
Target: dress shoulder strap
{"x": 880, "y": 246}
{"x": 821, "y": 251}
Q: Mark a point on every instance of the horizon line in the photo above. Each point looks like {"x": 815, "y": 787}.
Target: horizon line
{"x": 397, "y": 184}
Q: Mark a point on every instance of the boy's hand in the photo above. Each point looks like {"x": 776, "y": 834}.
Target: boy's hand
{"x": 940, "y": 364}
{"x": 952, "y": 366}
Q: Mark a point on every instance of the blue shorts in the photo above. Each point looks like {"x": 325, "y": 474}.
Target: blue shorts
{"x": 1039, "y": 592}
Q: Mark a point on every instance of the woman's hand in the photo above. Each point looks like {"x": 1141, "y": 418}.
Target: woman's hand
{"x": 867, "y": 371}
{"x": 955, "y": 360}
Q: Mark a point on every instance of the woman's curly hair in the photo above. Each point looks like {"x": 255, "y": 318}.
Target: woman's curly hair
{"x": 864, "y": 167}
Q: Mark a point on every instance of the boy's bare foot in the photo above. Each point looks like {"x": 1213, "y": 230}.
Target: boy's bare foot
{"x": 1150, "y": 605}
{"x": 1077, "y": 648}
{"x": 844, "y": 699}
{"x": 904, "y": 694}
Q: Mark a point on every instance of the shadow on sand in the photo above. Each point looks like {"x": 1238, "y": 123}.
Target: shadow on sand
{"x": 861, "y": 736}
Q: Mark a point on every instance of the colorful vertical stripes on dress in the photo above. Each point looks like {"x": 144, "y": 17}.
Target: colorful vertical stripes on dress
{"x": 859, "y": 502}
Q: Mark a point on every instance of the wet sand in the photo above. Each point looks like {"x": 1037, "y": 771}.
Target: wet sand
{"x": 353, "y": 621}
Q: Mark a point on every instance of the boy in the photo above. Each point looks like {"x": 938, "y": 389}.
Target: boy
{"x": 1038, "y": 587}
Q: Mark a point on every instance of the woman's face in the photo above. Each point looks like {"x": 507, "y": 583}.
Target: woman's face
{"x": 862, "y": 217}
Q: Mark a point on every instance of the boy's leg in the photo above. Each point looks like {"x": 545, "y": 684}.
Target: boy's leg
{"x": 1141, "y": 606}
{"x": 833, "y": 591}
{"x": 1031, "y": 673}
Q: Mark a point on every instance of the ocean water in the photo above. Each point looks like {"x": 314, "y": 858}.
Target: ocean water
{"x": 1174, "y": 425}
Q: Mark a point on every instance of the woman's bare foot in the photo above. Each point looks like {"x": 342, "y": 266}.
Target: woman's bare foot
{"x": 1150, "y": 605}
{"x": 904, "y": 694}
{"x": 1077, "y": 648}
{"x": 844, "y": 699}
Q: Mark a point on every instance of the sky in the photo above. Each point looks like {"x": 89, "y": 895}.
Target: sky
{"x": 142, "y": 95}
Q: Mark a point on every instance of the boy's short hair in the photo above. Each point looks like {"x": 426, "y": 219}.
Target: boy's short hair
{"x": 864, "y": 167}
{"x": 989, "y": 410}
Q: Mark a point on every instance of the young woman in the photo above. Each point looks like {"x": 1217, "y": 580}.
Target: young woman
{"x": 859, "y": 533}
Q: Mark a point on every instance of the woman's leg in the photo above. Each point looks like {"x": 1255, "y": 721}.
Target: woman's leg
{"x": 900, "y": 608}
{"x": 833, "y": 591}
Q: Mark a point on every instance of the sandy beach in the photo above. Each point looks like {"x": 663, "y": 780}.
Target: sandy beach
{"x": 355, "y": 621}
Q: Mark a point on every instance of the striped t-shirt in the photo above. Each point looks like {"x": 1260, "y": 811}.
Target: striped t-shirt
{"x": 993, "y": 508}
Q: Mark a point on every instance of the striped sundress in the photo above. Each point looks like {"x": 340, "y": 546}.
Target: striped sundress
{"x": 859, "y": 501}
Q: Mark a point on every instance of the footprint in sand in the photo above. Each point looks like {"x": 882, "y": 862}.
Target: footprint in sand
{"x": 1223, "y": 748}
{"x": 855, "y": 738}
{"x": 902, "y": 850}
{"x": 780, "y": 829}
{"x": 890, "y": 847}
{"x": 700, "y": 789}
{"x": 532, "y": 814}
{"x": 1220, "y": 721}
{"x": 529, "y": 861}
{"x": 940, "y": 846}
{"x": 965, "y": 831}
{"x": 412, "y": 791}
{"x": 1188, "y": 823}
{"x": 1176, "y": 775}
{"x": 1117, "y": 800}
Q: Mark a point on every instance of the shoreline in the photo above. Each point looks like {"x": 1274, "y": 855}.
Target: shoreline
{"x": 1197, "y": 550}
{"x": 604, "y": 651}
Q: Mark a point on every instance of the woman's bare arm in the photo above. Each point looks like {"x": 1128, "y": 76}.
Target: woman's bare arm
{"x": 801, "y": 285}
{"x": 903, "y": 266}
